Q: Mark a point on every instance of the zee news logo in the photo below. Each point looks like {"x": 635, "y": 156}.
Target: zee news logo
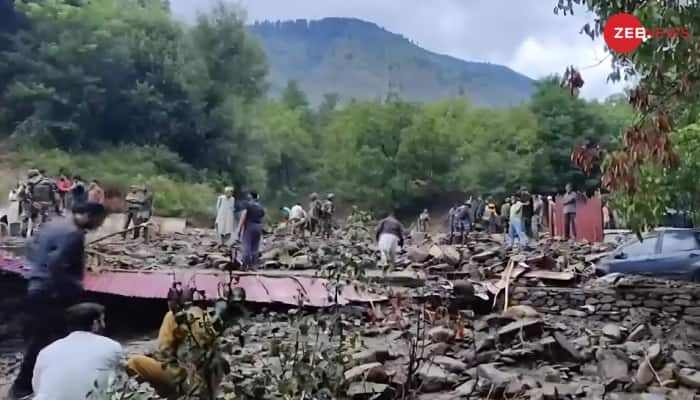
{"x": 623, "y": 33}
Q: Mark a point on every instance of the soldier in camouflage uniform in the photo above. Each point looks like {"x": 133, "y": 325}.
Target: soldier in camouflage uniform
{"x": 40, "y": 200}
{"x": 327, "y": 210}
{"x": 314, "y": 216}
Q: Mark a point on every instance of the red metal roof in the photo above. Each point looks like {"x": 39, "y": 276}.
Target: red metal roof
{"x": 258, "y": 287}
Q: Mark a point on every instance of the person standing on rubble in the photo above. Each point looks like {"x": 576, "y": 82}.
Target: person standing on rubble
{"x": 144, "y": 214}
{"x": 537, "y": 215}
{"x": 515, "y": 229}
{"x": 389, "y": 238}
{"x": 570, "y": 199}
{"x": 225, "y": 214}
{"x": 314, "y": 214}
{"x": 41, "y": 198}
{"x": 489, "y": 217}
{"x": 423, "y": 221}
{"x": 297, "y": 219}
{"x": 134, "y": 202}
{"x": 251, "y": 230}
{"x": 56, "y": 259}
{"x": 505, "y": 215}
{"x": 527, "y": 211}
{"x": 327, "y": 211}
{"x": 464, "y": 220}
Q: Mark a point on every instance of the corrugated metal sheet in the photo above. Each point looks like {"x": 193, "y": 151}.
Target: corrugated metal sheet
{"x": 259, "y": 288}
{"x": 589, "y": 219}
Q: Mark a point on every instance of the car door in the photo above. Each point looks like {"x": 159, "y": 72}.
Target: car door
{"x": 680, "y": 252}
{"x": 635, "y": 256}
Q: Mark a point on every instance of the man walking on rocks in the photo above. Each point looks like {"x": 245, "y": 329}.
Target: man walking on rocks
{"x": 515, "y": 230}
{"x": 56, "y": 258}
{"x": 251, "y": 230}
{"x": 389, "y": 238}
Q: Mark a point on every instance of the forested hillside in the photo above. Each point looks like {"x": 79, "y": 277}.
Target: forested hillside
{"x": 122, "y": 91}
{"x": 359, "y": 60}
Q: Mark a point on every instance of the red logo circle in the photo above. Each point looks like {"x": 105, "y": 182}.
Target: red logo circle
{"x": 623, "y": 33}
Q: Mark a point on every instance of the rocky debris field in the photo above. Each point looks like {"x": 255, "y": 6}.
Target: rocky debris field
{"x": 494, "y": 323}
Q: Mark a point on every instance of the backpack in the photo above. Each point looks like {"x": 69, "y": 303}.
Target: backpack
{"x": 42, "y": 191}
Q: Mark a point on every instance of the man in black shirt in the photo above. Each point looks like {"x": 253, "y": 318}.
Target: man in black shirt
{"x": 56, "y": 259}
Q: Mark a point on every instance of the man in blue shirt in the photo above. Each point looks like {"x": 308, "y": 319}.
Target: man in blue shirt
{"x": 56, "y": 259}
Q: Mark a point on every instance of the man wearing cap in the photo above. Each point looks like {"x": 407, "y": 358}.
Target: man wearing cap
{"x": 135, "y": 200}
{"x": 225, "y": 211}
{"x": 56, "y": 258}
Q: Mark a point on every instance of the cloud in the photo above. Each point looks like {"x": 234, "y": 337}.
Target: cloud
{"x": 522, "y": 34}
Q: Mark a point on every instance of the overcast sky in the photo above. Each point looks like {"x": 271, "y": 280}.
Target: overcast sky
{"x": 522, "y": 34}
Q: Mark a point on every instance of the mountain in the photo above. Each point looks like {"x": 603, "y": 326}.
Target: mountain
{"x": 358, "y": 59}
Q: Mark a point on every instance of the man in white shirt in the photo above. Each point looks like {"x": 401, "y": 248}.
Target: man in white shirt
{"x": 297, "y": 219}
{"x": 80, "y": 364}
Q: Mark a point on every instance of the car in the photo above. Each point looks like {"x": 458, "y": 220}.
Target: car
{"x": 672, "y": 253}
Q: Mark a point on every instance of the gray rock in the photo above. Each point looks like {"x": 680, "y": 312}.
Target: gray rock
{"x": 612, "y": 331}
{"x": 685, "y": 359}
{"x": 689, "y": 377}
{"x": 638, "y": 333}
{"x": 574, "y": 313}
{"x": 416, "y": 254}
{"x": 370, "y": 356}
{"x": 645, "y": 373}
{"x": 611, "y": 366}
{"x": 694, "y": 311}
{"x": 465, "y": 389}
{"x": 434, "y": 378}
{"x": 450, "y": 364}
{"x": 366, "y": 389}
{"x": 372, "y": 372}
{"x": 441, "y": 334}
{"x": 490, "y": 375}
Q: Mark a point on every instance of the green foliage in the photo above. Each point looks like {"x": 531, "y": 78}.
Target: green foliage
{"x": 662, "y": 188}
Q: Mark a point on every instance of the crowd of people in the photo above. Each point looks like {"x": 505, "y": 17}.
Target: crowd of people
{"x": 40, "y": 197}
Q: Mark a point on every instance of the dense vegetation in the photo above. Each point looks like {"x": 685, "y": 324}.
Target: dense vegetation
{"x": 360, "y": 60}
{"x": 657, "y": 166}
{"x": 121, "y": 91}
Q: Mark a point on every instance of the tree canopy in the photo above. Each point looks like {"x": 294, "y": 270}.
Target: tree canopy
{"x": 88, "y": 77}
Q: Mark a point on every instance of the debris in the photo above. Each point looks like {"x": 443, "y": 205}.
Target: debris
{"x": 689, "y": 377}
{"x": 366, "y": 389}
{"x": 372, "y": 372}
{"x": 647, "y": 368}
{"x": 441, "y": 334}
{"x": 434, "y": 378}
{"x": 489, "y": 376}
{"x": 520, "y": 312}
{"x": 638, "y": 333}
{"x": 450, "y": 364}
{"x": 613, "y": 332}
{"x": 611, "y": 366}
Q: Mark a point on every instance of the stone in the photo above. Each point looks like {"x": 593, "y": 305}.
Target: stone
{"x": 574, "y": 313}
{"x": 689, "y": 377}
{"x": 607, "y": 299}
{"x": 465, "y": 389}
{"x": 682, "y": 302}
{"x": 567, "y": 346}
{"x": 372, "y": 372}
{"x": 611, "y": 366}
{"x": 633, "y": 348}
{"x": 462, "y": 288}
{"x": 450, "y": 364}
{"x": 484, "y": 255}
{"x": 668, "y": 372}
{"x": 436, "y": 349}
{"x": 371, "y": 356}
{"x": 490, "y": 375}
{"x": 685, "y": 359}
{"x": 441, "y": 334}
{"x": 694, "y": 311}
{"x": 363, "y": 389}
{"x": 612, "y": 331}
{"x": 638, "y": 333}
{"x": 652, "y": 303}
{"x": 416, "y": 254}
{"x": 434, "y": 378}
{"x": 523, "y": 324}
{"x": 645, "y": 373}
{"x": 450, "y": 255}
{"x": 520, "y": 312}
{"x": 302, "y": 262}
{"x": 672, "y": 309}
